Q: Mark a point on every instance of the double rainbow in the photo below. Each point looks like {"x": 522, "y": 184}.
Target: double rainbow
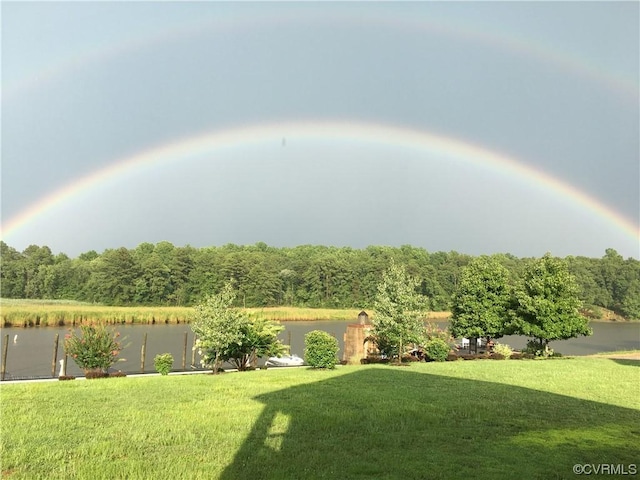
{"x": 386, "y": 135}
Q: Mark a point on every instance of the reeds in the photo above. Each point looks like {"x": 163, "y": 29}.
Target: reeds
{"x": 302, "y": 313}
{"x": 29, "y": 313}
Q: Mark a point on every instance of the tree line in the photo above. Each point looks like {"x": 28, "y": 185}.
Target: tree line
{"x": 306, "y": 276}
{"x": 543, "y": 305}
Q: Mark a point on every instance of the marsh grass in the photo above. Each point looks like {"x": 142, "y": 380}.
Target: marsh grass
{"x": 28, "y": 313}
{"x": 501, "y": 420}
{"x": 306, "y": 314}
{"x": 303, "y": 314}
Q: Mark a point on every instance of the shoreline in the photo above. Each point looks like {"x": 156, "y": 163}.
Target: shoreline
{"x": 33, "y": 323}
{"x": 26, "y": 314}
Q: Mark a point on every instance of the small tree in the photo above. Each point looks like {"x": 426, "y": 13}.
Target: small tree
{"x": 96, "y": 348}
{"x": 400, "y": 310}
{"x": 218, "y": 326}
{"x": 259, "y": 339}
{"x": 320, "y": 350}
{"x": 481, "y": 301}
{"x": 546, "y": 304}
{"x": 225, "y": 334}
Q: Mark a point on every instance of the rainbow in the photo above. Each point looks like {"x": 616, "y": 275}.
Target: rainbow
{"x": 378, "y": 134}
{"x": 566, "y": 61}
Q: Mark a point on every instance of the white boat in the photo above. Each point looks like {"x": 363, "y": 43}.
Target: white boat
{"x": 285, "y": 361}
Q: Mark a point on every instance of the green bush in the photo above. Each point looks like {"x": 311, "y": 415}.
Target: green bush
{"x": 536, "y": 348}
{"x": 321, "y": 349}
{"x": 163, "y": 363}
{"x": 503, "y": 349}
{"x": 437, "y": 349}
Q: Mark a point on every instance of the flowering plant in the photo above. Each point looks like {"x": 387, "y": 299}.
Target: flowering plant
{"x": 95, "y": 347}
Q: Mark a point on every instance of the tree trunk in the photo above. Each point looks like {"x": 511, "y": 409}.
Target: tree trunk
{"x": 216, "y": 364}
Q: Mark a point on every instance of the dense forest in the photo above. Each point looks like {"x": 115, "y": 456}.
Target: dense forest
{"x": 309, "y": 276}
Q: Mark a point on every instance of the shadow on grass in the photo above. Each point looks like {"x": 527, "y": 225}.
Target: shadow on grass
{"x": 392, "y": 423}
{"x": 630, "y": 362}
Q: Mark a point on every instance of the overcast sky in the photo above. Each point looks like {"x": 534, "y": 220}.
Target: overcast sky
{"x": 553, "y": 86}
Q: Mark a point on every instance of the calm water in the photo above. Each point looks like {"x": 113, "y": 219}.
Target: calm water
{"x": 31, "y": 354}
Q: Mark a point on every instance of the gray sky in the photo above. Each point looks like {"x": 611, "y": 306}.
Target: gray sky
{"x": 552, "y": 86}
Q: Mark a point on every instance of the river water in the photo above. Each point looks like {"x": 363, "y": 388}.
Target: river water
{"x": 30, "y": 351}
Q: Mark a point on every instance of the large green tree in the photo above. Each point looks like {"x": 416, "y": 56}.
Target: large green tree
{"x": 37, "y": 261}
{"x": 12, "y": 272}
{"x": 113, "y": 277}
{"x": 399, "y": 310}
{"x": 481, "y": 302}
{"x": 631, "y": 301}
{"x": 546, "y": 304}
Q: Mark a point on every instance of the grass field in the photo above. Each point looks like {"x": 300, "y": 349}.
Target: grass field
{"x": 482, "y": 419}
{"x": 26, "y": 313}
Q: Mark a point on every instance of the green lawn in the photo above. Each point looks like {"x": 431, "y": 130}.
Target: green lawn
{"x": 466, "y": 419}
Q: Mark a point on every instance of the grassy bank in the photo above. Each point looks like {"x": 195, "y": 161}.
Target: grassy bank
{"x": 487, "y": 419}
{"x": 28, "y": 313}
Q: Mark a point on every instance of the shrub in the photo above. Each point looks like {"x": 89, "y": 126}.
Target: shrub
{"x": 536, "y": 349}
{"x": 163, "y": 363}
{"x": 437, "y": 349}
{"x": 95, "y": 348}
{"x": 320, "y": 349}
{"x": 502, "y": 349}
